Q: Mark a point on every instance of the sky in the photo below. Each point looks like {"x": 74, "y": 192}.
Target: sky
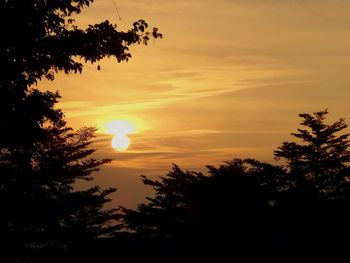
{"x": 228, "y": 80}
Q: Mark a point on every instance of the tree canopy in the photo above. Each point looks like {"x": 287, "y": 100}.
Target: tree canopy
{"x": 321, "y": 160}
{"x": 41, "y": 38}
{"x": 41, "y": 158}
{"x": 191, "y": 205}
{"x": 42, "y": 215}
{"x": 245, "y": 203}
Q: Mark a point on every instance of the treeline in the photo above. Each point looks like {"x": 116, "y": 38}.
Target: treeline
{"x": 248, "y": 203}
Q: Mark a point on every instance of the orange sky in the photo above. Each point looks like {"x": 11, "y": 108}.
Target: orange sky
{"x": 227, "y": 80}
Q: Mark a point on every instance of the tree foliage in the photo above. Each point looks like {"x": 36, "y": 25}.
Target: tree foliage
{"x": 321, "y": 160}
{"x": 41, "y": 158}
{"x": 174, "y": 206}
{"x": 213, "y": 206}
{"x": 250, "y": 203}
{"x": 41, "y": 38}
{"x": 40, "y": 211}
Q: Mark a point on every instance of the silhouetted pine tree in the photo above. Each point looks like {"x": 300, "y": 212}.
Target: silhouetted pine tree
{"x": 316, "y": 197}
{"x": 173, "y": 209}
{"x": 304, "y": 203}
{"x": 41, "y": 213}
{"x": 232, "y": 203}
{"x": 40, "y": 158}
{"x": 320, "y": 163}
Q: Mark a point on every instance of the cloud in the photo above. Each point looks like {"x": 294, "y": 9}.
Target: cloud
{"x": 228, "y": 80}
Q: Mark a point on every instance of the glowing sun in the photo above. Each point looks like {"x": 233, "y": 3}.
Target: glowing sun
{"x": 120, "y": 142}
{"x": 120, "y": 129}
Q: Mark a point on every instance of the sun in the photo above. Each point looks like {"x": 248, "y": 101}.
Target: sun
{"x": 120, "y": 142}
{"x": 120, "y": 129}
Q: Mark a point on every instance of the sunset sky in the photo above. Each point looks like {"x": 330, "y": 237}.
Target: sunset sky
{"x": 228, "y": 80}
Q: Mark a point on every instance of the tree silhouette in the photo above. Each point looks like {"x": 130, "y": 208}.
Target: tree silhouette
{"x": 41, "y": 214}
{"x": 321, "y": 162}
{"x": 303, "y": 203}
{"x": 40, "y": 38}
{"x": 174, "y": 207}
{"x": 316, "y": 195}
{"x": 223, "y": 205}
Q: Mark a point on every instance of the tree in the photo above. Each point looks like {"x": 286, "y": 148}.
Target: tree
{"x": 40, "y": 157}
{"x": 173, "y": 208}
{"x": 316, "y": 196}
{"x": 321, "y": 162}
{"x": 40, "y": 38}
{"x": 303, "y": 203}
{"x": 223, "y": 205}
{"x": 41, "y": 214}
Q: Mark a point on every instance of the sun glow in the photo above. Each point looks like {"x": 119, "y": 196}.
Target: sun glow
{"x": 120, "y": 142}
{"x": 120, "y": 129}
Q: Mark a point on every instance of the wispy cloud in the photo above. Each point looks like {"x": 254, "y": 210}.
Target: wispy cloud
{"x": 228, "y": 79}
